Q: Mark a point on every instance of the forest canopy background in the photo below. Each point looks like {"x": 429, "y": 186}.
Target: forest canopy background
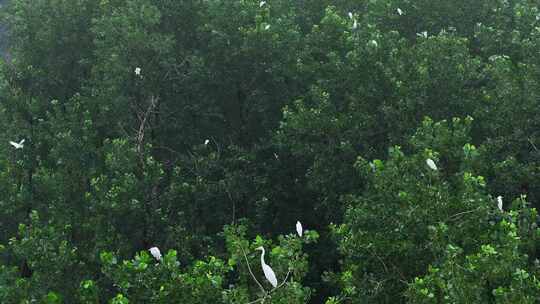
{"x": 207, "y": 128}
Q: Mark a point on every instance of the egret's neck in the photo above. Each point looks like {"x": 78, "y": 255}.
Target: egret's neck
{"x": 262, "y": 256}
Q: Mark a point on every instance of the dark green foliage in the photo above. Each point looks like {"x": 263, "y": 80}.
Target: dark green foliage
{"x": 208, "y": 128}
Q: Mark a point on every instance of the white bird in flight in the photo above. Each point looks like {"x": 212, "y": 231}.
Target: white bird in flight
{"x": 268, "y": 272}
{"x": 500, "y": 202}
{"x": 431, "y": 164}
{"x": 154, "y": 251}
{"x": 18, "y": 145}
{"x": 299, "y": 229}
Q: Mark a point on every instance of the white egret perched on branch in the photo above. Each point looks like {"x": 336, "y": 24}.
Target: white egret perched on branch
{"x": 431, "y": 164}
{"x": 155, "y": 253}
{"x": 268, "y": 272}
{"x": 18, "y": 145}
{"x": 299, "y": 229}
{"x": 500, "y": 202}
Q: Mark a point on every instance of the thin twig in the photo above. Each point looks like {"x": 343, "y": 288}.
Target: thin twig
{"x": 462, "y": 213}
{"x": 380, "y": 260}
{"x": 256, "y": 301}
{"x": 532, "y": 144}
{"x": 140, "y": 133}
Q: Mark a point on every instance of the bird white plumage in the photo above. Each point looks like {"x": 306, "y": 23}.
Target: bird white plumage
{"x": 206, "y": 142}
{"x": 299, "y": 229}
{"x": 350, "y": 15}
{"x": 500, "y": 202}
{"x": 137, "y": 71}
{"x": 18, "y": 145}
{"x": 262, "y": 3}
{"x": 355, "y": 25}
{"x": 154, "y": 251}
{"x": 399, "y": 11}
{"x": 423, "y": 34}
{"x": 267, "y": 27}
{"x": 268, "y": 272}
{"x": 431, "y": 164}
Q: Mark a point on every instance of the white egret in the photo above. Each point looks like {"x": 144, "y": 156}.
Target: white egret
{"x": 137, "y": 71}
{"x": 350, "y": 15}
{"x": 299, "y": 229}
{"x": 206, "y": 142}
{"x": 431, "y": 164}
{"x": 422, "y": 34}
{"x": 154, "y": 251}
{"x": 266, "y": 27}
{"x": 355, "y": 25}
{"x": 373, "y": 43}
{"x": 262, "y": 3}
{"x": 500, "y": 202}
{"x": 18, "y": 145}
{"x": 399, "y": 11}
{"x": 268, "y": 272}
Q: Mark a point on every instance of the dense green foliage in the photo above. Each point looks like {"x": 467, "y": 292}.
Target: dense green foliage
{"x": 207, "y": 128}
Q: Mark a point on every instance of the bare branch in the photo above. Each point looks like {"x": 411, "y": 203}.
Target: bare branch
{"x": 282, "y": 283}
{"x": 142, "y": 126}
{"x": 455, "y": 216}
{"x": 251, "y": 272}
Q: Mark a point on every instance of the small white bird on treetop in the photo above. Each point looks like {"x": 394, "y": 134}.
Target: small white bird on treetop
{"x": 299, "y": 229}
{"x": 154, "y": 251}
{"x": 137, "y": 71}
{"x": 262, "y": 3}
{"x": 268, "y": 272}
{"x": 431, "y": 164}
{"x": 500, "y": 202}
{"x": 18, "y": 145}
{"x": 399, "y": 11}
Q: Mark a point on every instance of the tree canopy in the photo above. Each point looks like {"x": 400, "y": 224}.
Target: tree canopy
{"x": 391, "y": 129}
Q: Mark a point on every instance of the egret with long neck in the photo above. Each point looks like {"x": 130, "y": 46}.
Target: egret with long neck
{"x": 268, "y": 272}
